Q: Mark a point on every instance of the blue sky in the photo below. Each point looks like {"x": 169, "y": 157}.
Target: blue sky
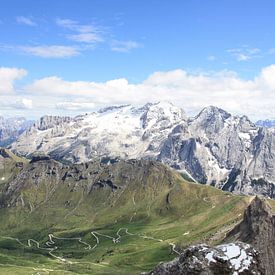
{"x": 99, "y": 41}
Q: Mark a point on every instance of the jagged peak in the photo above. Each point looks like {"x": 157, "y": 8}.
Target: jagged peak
{"x": 48, "y": 121}
{"x": 165, "y": 106}
{"x": 213, "y": 111}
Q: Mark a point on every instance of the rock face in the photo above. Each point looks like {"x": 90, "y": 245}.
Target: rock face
{"x": 225, "y": 151}
{"x": 233, "y": 258}
{"x": 11, "y": 128}
{"x": 258, "y": 229}
{"x": 216, "y": 148}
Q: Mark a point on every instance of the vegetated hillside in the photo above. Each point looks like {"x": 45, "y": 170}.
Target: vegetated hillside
{"x": 117, "y": 217}
{"x": 10, "y": 165}
{"x": 214, "y": 147}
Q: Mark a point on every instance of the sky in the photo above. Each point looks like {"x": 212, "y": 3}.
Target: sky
{"x": 69, "y": 57}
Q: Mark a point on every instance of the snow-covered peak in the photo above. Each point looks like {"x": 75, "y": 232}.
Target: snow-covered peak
{"x": 124, "y": 131}
{"x": 161, "y": 112}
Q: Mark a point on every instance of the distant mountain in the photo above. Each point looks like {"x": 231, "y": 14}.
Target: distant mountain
{"x": 11, "y": 128}
{"x": 268, "y": 123}
{"x": 214, "y": 147}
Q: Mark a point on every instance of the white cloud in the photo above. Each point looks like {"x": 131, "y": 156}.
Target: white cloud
{"x": 66, "y": 23}
{"x": 124, "y": 46}
{"x": 7, "y": 78}
{"x": 245, "y": 53}
{"x": 85, "y": 37}
{"x": 25, "y": 21}
{"x": 75, "y": 106}
{"x": 254, "y": 98}
{"x": 82, "y": 33}
{"x": 51, "y": 51}
{"x": 15, "y": 103}
{"x": 22, "y": 103}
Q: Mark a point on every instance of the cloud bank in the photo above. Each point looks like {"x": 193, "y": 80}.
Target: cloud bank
{"x": 255, "y": 97}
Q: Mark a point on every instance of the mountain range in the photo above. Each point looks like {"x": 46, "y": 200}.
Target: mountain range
{"x": 269, "y": 123}
{"x": 11, "y": 128}
{"x": 214, "y": 147}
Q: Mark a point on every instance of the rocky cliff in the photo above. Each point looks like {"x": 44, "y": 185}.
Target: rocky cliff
{"x": 258, "y": 229}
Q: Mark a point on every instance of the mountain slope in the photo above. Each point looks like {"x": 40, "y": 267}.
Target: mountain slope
{"x": 10, "y": 165}
{"x": 106, "y": 218}
{"x": 216, "y": 148}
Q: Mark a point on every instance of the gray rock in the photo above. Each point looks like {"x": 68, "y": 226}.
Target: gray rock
{"x": 232, "y": 258}
{"x": 258, "y": 229}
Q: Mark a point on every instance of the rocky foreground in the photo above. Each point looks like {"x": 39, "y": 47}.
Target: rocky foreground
{"x": 233, "y": 258}
{"x": 251, "y": 250}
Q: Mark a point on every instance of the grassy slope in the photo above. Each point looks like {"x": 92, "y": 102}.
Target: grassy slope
{"x": 174, "y": 211}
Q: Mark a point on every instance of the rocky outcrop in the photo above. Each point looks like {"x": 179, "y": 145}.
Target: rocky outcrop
{"x": 233, "y": 258}
{"x": 258, "y": 229}
{"x": 47, "y": 122}
{"x": 214, "y": 147}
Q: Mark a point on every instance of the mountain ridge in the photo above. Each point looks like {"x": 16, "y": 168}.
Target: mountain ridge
{"x": 214, "y": 147}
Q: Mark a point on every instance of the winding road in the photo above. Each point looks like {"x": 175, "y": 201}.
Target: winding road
{"x": 96, "y": 235}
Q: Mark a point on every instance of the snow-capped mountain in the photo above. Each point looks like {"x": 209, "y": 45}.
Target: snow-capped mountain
{"x": 216, "y": 148}
{"x": 11, "y": 128}
{"x": 268, "y": 123}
